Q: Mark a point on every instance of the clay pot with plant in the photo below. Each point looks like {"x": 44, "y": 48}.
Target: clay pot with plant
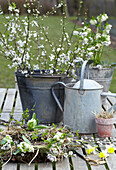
{"x": 104, "y": 122}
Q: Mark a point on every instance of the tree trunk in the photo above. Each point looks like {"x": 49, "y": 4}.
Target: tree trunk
{"x": 59, "y": 9}
{"x": 66, "y": 8}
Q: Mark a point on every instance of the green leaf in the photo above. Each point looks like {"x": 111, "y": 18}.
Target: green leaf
{"x": 2, "y": 142}
{"x": 77, "y": 133}
{"x": 37, "y": 121}
{"x": 14, "y": 5}
{"x": 18, "y": 151}
{"x": 54, "y": 125}
{"x": 26, "y": 140}
{"x": 34, "y": 116}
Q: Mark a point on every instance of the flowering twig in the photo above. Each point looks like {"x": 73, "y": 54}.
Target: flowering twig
{"x": 34, "y": 157}
{"x": 8, "y": 159}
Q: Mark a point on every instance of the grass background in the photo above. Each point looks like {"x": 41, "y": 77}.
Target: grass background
{"x": 7, "y": 76}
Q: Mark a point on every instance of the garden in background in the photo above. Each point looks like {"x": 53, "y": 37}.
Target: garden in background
{"x": 7, "y": 78}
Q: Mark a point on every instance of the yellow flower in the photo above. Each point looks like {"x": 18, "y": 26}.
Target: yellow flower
{"x": 90, "y": 150}
{"x": 103, "y": 154}
{"x": 110, "y": 148}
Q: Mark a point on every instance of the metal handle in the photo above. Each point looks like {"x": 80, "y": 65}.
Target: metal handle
{"x": 53, "y": 93}
{"x": 82, "y": 74}
{"x": 108, "y": 94}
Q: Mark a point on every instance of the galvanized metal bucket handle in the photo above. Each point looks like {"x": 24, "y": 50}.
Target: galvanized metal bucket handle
{"x": 83, "y": 73}
{"x": 63, "y": 84}
{"x": 53, "y": 93}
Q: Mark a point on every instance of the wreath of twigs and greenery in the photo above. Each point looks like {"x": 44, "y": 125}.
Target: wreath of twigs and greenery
{"x": 29, "y": 141}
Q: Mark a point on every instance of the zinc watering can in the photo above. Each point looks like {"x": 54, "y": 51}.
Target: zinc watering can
{"x": 81, "y": 100}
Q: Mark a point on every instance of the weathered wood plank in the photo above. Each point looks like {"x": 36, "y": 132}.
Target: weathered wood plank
{"x": 27, "y": 167}
{"x": 112, "y": 100}
{"x": 10, "y": 166}
{"x": 107, "y": 105}
{"x": 45, "y": 166}
{"x": 18, "y": 105}
{"x": 17, "y": 116}
{"x": 8, "y": 105}
{"x": 78, "y": 163}
{"x": 111, "y": 161}
{"x": 2, "y": 96}
{"x": 113, "y": 134}
{"x": 63, "y": 165}
{"x": 5, "y": 116}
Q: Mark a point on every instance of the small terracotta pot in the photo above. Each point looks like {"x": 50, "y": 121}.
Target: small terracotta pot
{"x": 104, "y": 127}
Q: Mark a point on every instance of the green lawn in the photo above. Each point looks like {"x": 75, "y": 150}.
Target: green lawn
{"x": 7, "y": 75}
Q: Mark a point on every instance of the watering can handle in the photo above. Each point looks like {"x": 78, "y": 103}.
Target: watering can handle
{"x": 54, "y": 95}
{"x": 82, "y": 73}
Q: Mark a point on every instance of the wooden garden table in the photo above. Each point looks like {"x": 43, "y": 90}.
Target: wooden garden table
{"x": 10, "y": 102}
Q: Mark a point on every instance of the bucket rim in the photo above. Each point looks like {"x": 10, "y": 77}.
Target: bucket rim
{"x": 37, "y": 74}
{"x": 70, "y": 86}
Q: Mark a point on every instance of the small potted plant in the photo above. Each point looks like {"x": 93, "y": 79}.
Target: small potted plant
{"x": 104, "y": 122}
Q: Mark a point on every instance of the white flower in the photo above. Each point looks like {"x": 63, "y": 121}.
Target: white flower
{"x": 88, "y": 30}
{"x": 17, "y": 10}
{"x": 93, "y": 21}
{"x": 21, "y": 43}
{"x": 75, "y": 32}
{"x": 25, "y": 147}
{"x": 106, "y": 43}
{"x": 85, "y": 40}
{"x": 54, "y": 150}
{"x": 51, "y": 158}
{"x": 27, "y": 56}
{"x": 102, "y": 17}
{"x": 36, "y": 67}
{"x": 6, "y": 146}
{"x": 70, "y": 153}
{"x": 58, "y": 136}
{"x": 108, "y": 26}
{"x": 91, "y": 48}
{"x": 8, "y": 143}
{"x": 43, "y": 53}
{"x": 52, "y": 56}
{"x": 35, "y": 35}
{"x": 29, "y": 11}
{"x": 10, "y": 8}
{"x": 84, "y": 34}
{"x": 99, "y": 66}
{"x": 98, "y": 46}
{"x": 78, "y": 60}
{"x": 65, "y": 155}
{"x": 98, "y": 35}
{"x": 31, "y": 123}
{"x": 58, "y": 49}
{"x": 59, "y": 5}
{"x": 90, "y": 54}
{"x": 67, "y": 35}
